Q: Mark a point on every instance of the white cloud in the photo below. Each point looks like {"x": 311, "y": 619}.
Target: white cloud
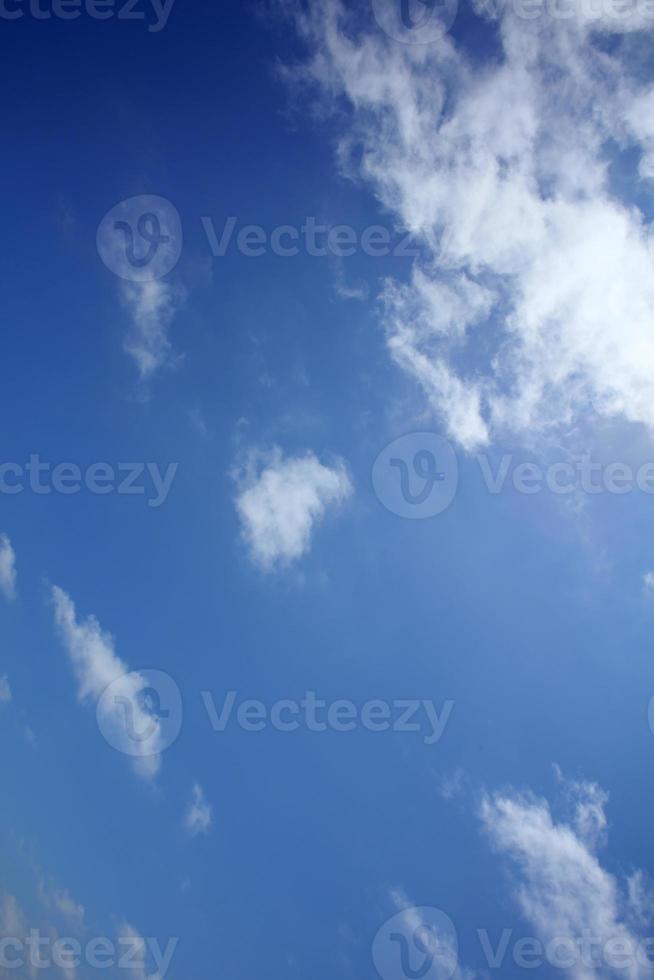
{"x": 96, "y": 665}
{"x": 7, "y": 568}
{"x": 532, "y": 305}
{"x": 280, "y": 501}
{"x": 198, "y": 817}
{"x": 152, "y": 306}
{"x": 5, "y": 690}
{"x": 561, "y": 888}
{"x": 648, "y": 581}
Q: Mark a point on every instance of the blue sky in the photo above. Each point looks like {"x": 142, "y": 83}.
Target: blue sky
{"x": 505, "y": 335}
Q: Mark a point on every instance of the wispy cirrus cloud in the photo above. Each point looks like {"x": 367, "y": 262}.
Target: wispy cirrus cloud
{"x": 95, "y": 664}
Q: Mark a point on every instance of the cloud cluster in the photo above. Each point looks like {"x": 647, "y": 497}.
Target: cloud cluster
{"x": 280, "y": 501}
{"x": 531, "y": 307}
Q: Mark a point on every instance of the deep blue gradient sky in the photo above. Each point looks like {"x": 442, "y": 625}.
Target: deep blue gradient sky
{"x": 529, "y": 615}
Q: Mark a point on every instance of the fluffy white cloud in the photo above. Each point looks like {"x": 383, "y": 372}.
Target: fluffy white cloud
{"x": 7, "y": 568}
{"x": 5, "y": 690}
{"x": 561, "y": 887}
{"x": 648, "y": 582}
{"x": 95, "y": 665}
{"x": 198, "y": 817}
{"x": 152, "y": 306}
{"x": 532, "y": 304}
{"x": 280, "y": 501}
